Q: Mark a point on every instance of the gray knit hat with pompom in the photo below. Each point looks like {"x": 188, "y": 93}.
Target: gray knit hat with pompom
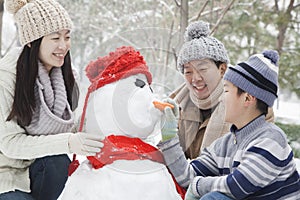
{"x": 198, "y": 45}
{"x": 38, "y": 18}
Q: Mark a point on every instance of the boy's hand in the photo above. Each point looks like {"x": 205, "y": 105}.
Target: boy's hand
{"x": 189, "y": 194}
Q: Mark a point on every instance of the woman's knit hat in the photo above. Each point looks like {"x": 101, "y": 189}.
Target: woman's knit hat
{"x": 37, "y": 18}
{"x": 258, "y": 76}
{"x": 198, "y": 45}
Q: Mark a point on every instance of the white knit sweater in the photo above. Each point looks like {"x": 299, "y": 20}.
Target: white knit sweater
{"x": 18, "y": 149}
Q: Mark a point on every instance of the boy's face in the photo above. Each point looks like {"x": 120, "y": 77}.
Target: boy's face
{"x": 202, "y": 77}
{"x": 234, "y": 103}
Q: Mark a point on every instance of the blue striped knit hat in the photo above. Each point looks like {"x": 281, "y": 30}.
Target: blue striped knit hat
{"x": 199, "y": 45}
{"x": 258, "y": 76}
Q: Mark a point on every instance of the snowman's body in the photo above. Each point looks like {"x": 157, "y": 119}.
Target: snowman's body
{"x": 123, "y": 108}
{"x": 123, "y": 179}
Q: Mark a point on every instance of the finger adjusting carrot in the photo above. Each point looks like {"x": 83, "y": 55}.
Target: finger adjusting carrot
{"x": 162, "y": 105}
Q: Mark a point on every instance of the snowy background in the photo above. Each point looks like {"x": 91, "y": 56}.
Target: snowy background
{"x": 286, "y": 108}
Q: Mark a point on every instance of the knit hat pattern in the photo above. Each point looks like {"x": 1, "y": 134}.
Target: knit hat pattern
{"x": 199, "y": 45}
{"x": 37, "y": 18}
{"x": 258, "y": 76}
{"x": 122, "y": 63}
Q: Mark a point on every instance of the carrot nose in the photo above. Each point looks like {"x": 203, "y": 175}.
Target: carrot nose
{"x": 162, "y": 105}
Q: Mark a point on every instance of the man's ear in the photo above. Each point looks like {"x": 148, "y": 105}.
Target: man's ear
{"x": 223, "y": 68}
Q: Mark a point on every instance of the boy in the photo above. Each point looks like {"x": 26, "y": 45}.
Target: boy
{"x": 254, "y": 160}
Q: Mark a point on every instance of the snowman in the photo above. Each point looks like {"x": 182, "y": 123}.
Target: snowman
{"x": 119, "y": 105}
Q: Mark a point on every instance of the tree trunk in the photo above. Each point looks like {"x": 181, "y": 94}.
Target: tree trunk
{"x": 283, "y": 25}
{"x": 184, "y": 16}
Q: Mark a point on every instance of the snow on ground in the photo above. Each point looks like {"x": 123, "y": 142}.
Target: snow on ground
{"x": 298, "y": 164}
{"x": 287, "y": 110}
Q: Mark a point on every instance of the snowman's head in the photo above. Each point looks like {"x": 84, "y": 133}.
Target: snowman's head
{"x": 123, "y": 104}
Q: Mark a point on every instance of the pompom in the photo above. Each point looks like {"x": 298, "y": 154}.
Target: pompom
{"x": 13, "y": 6}
{"x": 272, "y": 55}
{"x": 196, "y": 30}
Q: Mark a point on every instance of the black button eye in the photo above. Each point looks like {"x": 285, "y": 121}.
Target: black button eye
{"x": 139, "y": 83}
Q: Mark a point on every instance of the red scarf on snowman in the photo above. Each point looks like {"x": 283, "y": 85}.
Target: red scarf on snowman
{"x": 119, "y": 147}
{"x": 122, "y": 63}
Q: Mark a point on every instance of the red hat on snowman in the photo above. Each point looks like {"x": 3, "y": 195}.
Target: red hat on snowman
{"x": 122, "y": 63}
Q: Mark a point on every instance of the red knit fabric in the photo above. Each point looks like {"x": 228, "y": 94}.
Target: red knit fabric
{"x": 122, "y": 63}
{"x": 124, "y": 148}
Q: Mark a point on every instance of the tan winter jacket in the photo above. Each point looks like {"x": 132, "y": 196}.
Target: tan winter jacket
{"x": 197, "y": 128}
{"x": 17, "y": 149}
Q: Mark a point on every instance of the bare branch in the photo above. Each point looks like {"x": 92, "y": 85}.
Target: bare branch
{"x": 177, "y": 4}
{"x": 215, "y": 10}
{"x": 297, "y": 5}
{"x": 175, "y": 55}
{"x": 169, "y": 42}
{"x": 201, "y": 10}
{"x": 221, "y": 17}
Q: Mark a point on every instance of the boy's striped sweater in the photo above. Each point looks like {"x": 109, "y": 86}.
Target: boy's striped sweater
{"x": 254, "y": 162}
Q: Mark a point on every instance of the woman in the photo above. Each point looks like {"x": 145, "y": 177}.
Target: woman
{"x": 38, "y": 97}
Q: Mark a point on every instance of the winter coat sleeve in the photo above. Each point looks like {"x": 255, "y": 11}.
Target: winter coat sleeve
{"x": 14, "y": 142}
{"x": 183, "y": 170}
{"x": 261, "y": 164}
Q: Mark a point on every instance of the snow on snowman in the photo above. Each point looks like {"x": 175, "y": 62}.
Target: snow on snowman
{"x": 119, "y": 105}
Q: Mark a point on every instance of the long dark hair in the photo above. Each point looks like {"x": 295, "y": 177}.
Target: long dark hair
{"x": 27, "y": 71}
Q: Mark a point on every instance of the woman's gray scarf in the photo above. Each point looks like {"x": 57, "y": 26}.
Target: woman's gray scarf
{"x": 52, "y": 114}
